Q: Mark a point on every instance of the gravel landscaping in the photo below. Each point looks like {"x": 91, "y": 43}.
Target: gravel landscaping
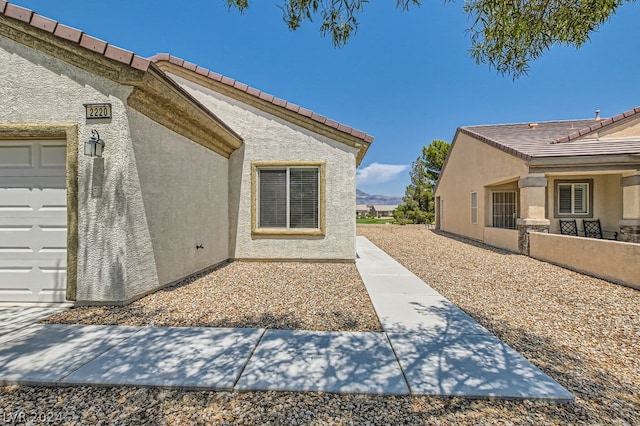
{"x": 582, "y": 331}
{"x": 283, "y": 295}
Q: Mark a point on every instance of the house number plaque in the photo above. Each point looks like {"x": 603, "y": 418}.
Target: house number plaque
{"x": 97, "y": 110}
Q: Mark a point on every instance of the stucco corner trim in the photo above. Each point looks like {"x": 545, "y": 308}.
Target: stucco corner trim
{"x": 69, "y": 132}
{"x": 257, "y": 232}
{"x": 532, "y": 182}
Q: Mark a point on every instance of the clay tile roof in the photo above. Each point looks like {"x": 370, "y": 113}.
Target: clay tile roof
{"x": 74, "y": 35}
{"x": 163, "y": 57}
{"x": 550, "y": 139}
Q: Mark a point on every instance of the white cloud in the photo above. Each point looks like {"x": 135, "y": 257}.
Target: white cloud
{"x": 378, "y": 173}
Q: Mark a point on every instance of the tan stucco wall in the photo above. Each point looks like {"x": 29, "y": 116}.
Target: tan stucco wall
{"x": 268, "y": 138}
{"x": 611, "y": 260}
{"x": 631, "y": 201}
{"x": 127, "y": 206}
{"x": 607, "y": 201}
{"x": 184, "y": 189}
{"x": 471, "y": 166}
{"x": 502, "y": 238}
{"x": 625, "y": 129}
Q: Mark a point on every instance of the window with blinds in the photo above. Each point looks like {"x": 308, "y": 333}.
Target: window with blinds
{"x": 289, "y": 198}
{"x": 573, "y": 198}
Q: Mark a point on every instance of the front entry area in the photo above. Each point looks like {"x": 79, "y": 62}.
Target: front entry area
{"x": 33, "y": 221}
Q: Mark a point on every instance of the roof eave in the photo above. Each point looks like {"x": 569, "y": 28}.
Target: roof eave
{"x": 267, "y": 103}
{"x": 586, "y": 162}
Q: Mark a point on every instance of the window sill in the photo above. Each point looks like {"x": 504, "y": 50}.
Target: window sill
{"x": 279, "y": 232}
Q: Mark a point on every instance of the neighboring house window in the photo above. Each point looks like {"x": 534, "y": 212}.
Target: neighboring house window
{"x": 504, "y": 209}
{"x": 474, "y": 207}
{"x": 288, "y": 198}
{"x": 573, "y": 198}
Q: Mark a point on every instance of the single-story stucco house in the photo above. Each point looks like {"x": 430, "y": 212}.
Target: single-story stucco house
{"x": 362, "y": 209}
{"x": 195, "y": 169}
{"x": 511, "y": 185}
{"x": 383, "y": 210}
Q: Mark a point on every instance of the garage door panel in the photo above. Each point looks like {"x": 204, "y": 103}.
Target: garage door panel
{"x": 34, "y": 237}
{"x": 32, "y": 199}
{"x": 33, "y": 221}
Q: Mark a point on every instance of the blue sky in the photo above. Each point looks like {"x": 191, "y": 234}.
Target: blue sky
{"x": 406, "y": 77}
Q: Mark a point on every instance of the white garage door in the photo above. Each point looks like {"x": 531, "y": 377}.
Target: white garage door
{"x": 33, "y": 221}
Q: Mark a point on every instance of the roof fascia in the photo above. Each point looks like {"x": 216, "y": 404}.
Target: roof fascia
{"x": 613, "y": 162}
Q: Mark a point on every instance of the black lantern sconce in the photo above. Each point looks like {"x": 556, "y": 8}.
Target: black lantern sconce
{"x": 94, "y": 146}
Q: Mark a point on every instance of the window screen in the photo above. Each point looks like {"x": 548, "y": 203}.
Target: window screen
{"x": 289, "y": 198}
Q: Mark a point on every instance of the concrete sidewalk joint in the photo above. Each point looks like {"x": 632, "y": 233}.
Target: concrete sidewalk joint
{"x": 428, "y": 347}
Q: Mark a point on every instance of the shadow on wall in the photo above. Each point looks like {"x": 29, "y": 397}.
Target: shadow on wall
{"x": 101, "y": 245}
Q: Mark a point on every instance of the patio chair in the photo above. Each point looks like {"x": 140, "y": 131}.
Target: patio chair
{"x": 592, "y": 228}
{"x": 568, "y": 227}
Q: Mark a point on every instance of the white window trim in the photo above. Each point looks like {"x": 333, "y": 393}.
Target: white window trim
{"x": 256, "y": 166}
{"x": 573, "y": 183}
{"x": 474, "y": 207}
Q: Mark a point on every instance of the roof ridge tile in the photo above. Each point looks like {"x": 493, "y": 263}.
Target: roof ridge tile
{"x": 606, "y": 122}
{"x": 18, "y": 12}
{"x": 74, "y": 35}
{"x": 44, "y": 23}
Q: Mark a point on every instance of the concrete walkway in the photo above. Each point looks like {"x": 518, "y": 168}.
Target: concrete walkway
{"x": 428, "y": 347}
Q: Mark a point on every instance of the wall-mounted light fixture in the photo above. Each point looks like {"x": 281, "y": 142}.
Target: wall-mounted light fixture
{"x": 94, "y": 146}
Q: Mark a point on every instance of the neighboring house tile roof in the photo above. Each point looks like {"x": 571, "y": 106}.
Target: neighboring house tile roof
{"x": 553, "y": 138}
{"x": 262, "y": 95}
{"x": 361, "y": 207}
{"x": 597, "y": 126}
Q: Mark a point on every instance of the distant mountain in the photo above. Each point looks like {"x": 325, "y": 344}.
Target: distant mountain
{"x": 368, "y": 199}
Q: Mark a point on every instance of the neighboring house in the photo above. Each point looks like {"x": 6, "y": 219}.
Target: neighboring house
{"x": 362, "y": 209}
{"x": 197, "y": 169}
{"x": 501, "y": 182}
{"x": 383, "y": 210}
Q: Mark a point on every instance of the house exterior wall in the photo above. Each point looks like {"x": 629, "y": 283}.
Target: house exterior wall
{"x": 184, "y": 189}
{"x": 126, "y": 247}
{"x": 607, "y": 201}
{"x": 268, "y": 138}
{"x": 470, "y": 167}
